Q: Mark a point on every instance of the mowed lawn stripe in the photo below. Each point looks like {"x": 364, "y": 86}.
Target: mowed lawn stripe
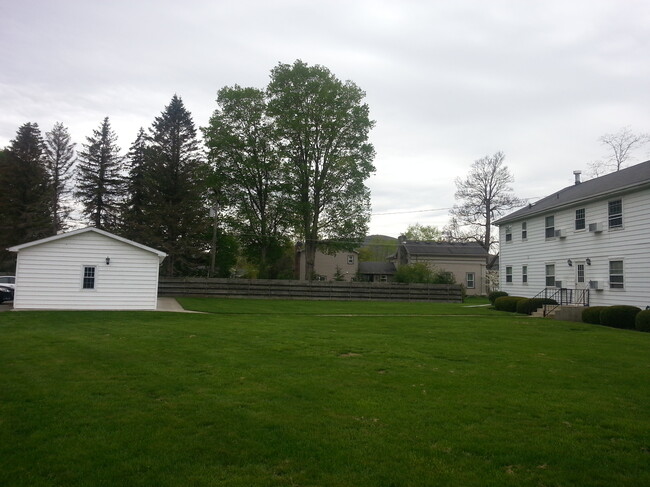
{"x": 90, "y": 398}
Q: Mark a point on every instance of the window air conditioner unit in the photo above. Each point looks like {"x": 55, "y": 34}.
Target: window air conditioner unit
{"x": 596, "y": 227}
{"x": 595, "y": 285}
{"x": 560, "y": 233}
{"x": 558, "y": 284}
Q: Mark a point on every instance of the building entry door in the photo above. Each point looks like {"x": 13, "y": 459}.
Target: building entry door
{"x": 581, "y": 277}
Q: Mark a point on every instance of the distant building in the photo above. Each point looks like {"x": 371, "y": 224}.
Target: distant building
{"x": 377, "y": 271}
{"x": 465, "y": 260}
{"x": 328, "y": 267}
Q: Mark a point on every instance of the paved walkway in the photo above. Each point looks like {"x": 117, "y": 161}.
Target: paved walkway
{"x": 171, "y": 305}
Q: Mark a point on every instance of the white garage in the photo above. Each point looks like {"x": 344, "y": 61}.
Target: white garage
{"x": 86, "y": 269}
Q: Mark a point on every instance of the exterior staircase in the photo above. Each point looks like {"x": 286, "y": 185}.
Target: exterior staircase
{"x": 570, "y": 312}
{"x": 570, "y": 303}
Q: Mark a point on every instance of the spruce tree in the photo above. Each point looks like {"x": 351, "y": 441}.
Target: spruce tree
{"x": 176, "y": 216}
{"x": 60, "y": 158}
{"x": 25, "y": 195}
{"x": 100, "y": 181}
{"x": 136, "y": 197}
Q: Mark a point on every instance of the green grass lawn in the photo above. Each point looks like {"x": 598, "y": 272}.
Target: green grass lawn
{"x": 296, "y": 393}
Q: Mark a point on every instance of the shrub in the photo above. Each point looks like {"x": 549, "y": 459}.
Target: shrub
{"x": 496, "y": 294}
{"x": 642, "y": 321}
{"x": 507, "y": 303}
{"x": 619, "y": 316}
{"x": 422, "y": 273}
{"x": 591, "y": 314}
{"x": 528, "y": 306}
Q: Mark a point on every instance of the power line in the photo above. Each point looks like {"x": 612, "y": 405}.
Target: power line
{"x": 410, "y": 211}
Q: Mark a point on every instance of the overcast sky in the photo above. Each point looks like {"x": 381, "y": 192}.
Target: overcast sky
{"x": 447, "y": 82}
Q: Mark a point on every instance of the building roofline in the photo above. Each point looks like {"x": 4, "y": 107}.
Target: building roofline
{"x": 618, "y": 182}
{"x": 17, "y": 248}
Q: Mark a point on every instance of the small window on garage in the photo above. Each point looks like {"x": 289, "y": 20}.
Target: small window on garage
{"x": 89, "y": 277}
{"x": 351, "y": 259}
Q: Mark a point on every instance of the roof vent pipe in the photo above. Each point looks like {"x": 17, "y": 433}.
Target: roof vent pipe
{"x": 577, "y": 176}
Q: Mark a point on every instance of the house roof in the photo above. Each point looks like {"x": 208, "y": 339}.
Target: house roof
{"x": 627, "y": 179}
{"x": 442, "y": 249}
{"x": 16, "y": 248}
{"x": 377, "y": 268}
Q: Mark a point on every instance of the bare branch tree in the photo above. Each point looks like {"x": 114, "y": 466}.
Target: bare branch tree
{"x": 621, "y": 147}
{"x": 483, "y": 196}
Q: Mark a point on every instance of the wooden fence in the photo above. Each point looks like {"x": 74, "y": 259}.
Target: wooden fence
{"x": 326, "y": 290}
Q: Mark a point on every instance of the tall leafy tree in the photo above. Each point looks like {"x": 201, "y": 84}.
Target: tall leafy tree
{"x": 25, "y": 192}
{"x": 417, "y": 231}
{"x": 322, "y": 128}
{"x": 100, "y": 178}
{"x": 60, "y": 158}
{"x": 248, "y": 174}
{"x": 482, "y": 196}
{"x": 176, "y": 215}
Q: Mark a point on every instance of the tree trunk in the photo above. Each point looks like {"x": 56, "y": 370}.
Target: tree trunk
{"x": 310, "y": 257}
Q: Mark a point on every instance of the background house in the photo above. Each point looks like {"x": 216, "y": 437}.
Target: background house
{"x": 465, "y": 260}
{"x": 377, "y": 271}
{"x": 86, "y": 269}
{"x": 327, "y": 267}
{"x": 591, "y": 235}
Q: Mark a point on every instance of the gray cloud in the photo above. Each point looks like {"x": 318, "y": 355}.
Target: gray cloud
{"x": 447, "y": 82}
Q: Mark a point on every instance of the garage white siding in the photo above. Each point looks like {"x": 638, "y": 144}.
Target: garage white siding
{"x": 49, "y": 275}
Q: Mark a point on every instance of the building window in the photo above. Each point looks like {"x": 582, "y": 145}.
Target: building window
{"x": 580, "y": 219}
{"x": 524, "y": 274}
{"x": 616, "y": 278}
{"x": 383, "y": 278}
{"x": 470, "y": 279}
{"x": 550, "y": 275}
{"x": 508, "y": 274}
{"x": 89, "y": 277}
{"x": 350, "y": 259}
{"x": 524, "y": 231}
{"x": 615, "y": 212}
{"x": 550, "y": 226}
{"x": 508, "y": 233}
{"x": 580, "y": 273}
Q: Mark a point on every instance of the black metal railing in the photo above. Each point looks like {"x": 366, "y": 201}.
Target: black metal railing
{"x": 563, "y": 296}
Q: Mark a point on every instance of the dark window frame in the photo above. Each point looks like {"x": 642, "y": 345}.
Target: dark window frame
{"x": 615, "y": 214}
{"x": 617, "y": 275}
{"x": 89, "y": 277}
{"x": 549, "y": 226}
{"x": 580, "y": 221}
{"x": 550, "y": 277}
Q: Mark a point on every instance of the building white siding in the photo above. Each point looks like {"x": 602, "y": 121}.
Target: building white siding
{"x": 594, "y": 251}
{"x": 50, "y": 275}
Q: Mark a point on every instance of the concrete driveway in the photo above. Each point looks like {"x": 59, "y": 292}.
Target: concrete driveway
{"x": 6, "y": 306}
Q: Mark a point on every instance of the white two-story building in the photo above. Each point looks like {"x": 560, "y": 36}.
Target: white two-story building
{"x": 593, "y": 235}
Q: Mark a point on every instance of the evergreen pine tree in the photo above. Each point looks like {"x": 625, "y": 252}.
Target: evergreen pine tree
{"x": 59, "y": 157}
{"x": 100, "y": 182}
{"x": 176, "y": 216}
{"x": 25, "y": 195}
{"x": 135, "y": 202}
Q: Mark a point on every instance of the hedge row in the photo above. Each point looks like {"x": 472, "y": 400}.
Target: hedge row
{"x": 617, "y": 317}
{"x": 507, "y": 303}
{"x": 529, "y": 306}
{"x": 496, "y": 294}
{"x": 642, "y": 321}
